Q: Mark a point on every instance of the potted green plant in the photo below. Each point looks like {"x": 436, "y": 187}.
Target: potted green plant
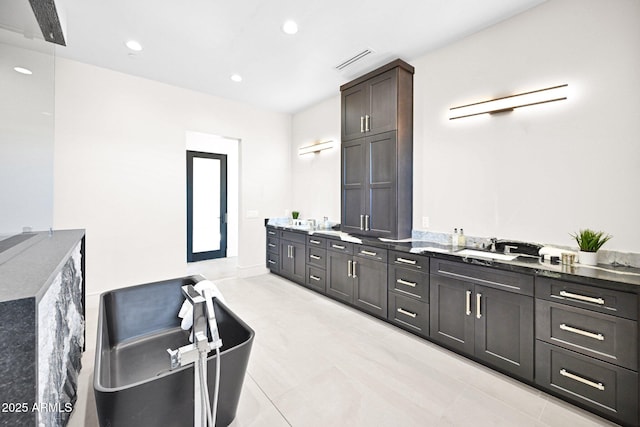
{"x": 590, "y": 242}
{"x": 295, "y": 214}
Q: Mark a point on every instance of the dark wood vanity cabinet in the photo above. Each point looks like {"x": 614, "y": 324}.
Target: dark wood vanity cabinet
{"x": 587, "y": 346}
{"x": 357, "y": 275}
{"x": 485, "y": 313}
{"x": 292, "y": 256}
{"x": 273, "y": 249}
{"x": 408, "y": 292}
{"x": 377, "y": 152}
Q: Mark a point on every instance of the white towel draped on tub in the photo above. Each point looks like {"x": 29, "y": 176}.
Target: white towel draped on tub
{"x": 186, "y": 311}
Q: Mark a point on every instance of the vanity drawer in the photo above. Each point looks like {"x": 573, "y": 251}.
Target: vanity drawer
{"x": 272, "y": 232}
{"x": 316, "y": 278}
{"x": 317, "y": 242}
{"x": 410, "y": 261}
{"x": 273, "y": 245}
{"x": 485, "y": 276}
{"x": 408, "y": 313}
{"x": 340, "y": 246}
{"x": 606, "y": 388}
{"x": 371, "y": 252}
{"x": 273, "y": 262}
{"x": 609, "y": 338}
{"x": 317, "y": 257}
{"x": 408, "y": 282}
{"x": 617, "y": 303}
{"x": 292, "y": 236}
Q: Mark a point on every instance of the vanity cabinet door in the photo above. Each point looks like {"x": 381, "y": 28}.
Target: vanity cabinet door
{"x": 504, "y": 330}
{"x": 451, "y": 315}
{"x": 339, "y": 281}
{"x": 370, "y": 291}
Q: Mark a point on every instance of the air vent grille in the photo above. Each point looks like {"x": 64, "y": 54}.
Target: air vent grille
{"x": 354, "y": 58}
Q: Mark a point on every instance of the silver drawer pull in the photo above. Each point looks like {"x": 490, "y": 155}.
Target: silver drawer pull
{"x": 271, "y": 262}
{"x": 315, "y": 257}
{"x": 273, "y": 233}
{"x": 315, "y": 242}
{"x": 582, "y": 297}
{"x": 574, "y": 377}
{"x": 369, "y": 253}
{"x": 271, "y": 245}
{"x": 316, "y": 278}
{"x": 598, "y": 337}
{"x": 406, "y": 261}
{"x": 337, "y": 246}
{"x": 407, "y": 313}
{"x": 404, "y": 282}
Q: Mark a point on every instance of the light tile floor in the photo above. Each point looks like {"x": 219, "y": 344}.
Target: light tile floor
{"x": 316, "y": 362}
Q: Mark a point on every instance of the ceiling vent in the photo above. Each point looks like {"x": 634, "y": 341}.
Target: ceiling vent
{"x": 355, "y": 58}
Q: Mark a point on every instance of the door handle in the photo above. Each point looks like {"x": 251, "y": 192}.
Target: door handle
{"x": 468, "y": 307}
{"x": 366, "y": 222}
{"x": 353, "y": 270}
{"x": 361, "y": 222}
{"x": 349, "y": 268}
{"x": 478, "y": 305}
{"x": 361, "y": 124}
{"x": 367, "y": 122}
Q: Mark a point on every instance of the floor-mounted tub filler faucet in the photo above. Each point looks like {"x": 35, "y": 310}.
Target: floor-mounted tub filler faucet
{"x": 205, "y": 339}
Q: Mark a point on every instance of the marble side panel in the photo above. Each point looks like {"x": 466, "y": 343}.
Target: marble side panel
{"x": 18, "y": 363}
{"x": 60, "y": 342}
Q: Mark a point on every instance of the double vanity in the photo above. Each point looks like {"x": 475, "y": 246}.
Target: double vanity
{"x": 569, "y": 330}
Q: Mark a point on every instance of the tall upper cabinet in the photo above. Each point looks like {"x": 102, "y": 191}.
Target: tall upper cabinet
{"x": 377, "y": 152}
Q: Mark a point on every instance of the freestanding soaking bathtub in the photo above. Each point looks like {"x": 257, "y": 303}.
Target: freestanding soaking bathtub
{"x": 132, "y": 382}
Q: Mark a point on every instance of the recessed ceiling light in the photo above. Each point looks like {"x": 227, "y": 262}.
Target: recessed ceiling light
{"x": 22, "y": 70}
{"x": 134, "y": 45}
{"x": 236, "y": 78}
{"x": 290, "y": 27}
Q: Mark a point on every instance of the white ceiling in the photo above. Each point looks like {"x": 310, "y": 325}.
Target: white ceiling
{"x": 199, "y": 44}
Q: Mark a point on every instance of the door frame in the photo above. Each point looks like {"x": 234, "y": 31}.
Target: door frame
{"x": 222, "y": 252}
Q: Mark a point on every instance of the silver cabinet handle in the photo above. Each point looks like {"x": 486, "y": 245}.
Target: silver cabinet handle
{"x": 366, "y": 223}
{"x": 567, "y": 328}
{"x": 367, "y": 121}
{"x": 353, "y": 274}
{"x": 273, "y": 233}
{"x": 407, "y": 313}
{"x": 404, "y": 282}
{"x": 468, "y": 308}
{"x": 337, "y": 246}
{"x": 349, "y": 266}
{"x": 578, "y": 378}
{"x": 581, "y": 297}
{"x": 315, "y": 257}
{"x": 271, "y": 245}
{"x": 361, "y": 124}
{"x": 271, "y": 261}
{"x": 478, "y": 301}
{"x": 363, "y": 252}
{"x": 406, "y": 261}
{"x": 361, "y": 222}
{"x": 316, "y": 278}
{"x": 315, "y": 242}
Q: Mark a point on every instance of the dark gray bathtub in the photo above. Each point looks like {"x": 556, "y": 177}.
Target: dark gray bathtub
{"x": 132, "y": 382}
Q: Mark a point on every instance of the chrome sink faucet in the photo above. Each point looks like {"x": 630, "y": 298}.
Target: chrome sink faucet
{"x": 492, "y": 245}
{"x": 509, "y": 248}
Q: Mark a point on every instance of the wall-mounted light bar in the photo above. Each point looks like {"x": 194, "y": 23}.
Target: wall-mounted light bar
{"x": 315, "y": 148}
{"x": 511, "y": 102}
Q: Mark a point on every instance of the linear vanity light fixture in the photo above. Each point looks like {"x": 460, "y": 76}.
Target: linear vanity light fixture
{"x": 315, "y": 148}
{"x": 511, "y": 102}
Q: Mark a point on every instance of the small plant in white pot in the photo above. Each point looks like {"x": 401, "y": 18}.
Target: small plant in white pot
{"x": 590, "y": 242}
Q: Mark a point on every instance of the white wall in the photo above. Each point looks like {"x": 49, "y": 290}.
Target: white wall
{"x": 316, "y": 177}
{"x": 536, "y": 174}
{"x": 120, "y": 171}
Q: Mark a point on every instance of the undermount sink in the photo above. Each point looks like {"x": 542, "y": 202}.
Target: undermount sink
{"x": 483, "y": 254}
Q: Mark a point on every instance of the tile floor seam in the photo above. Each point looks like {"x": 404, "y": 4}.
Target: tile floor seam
{"x": 494, "y": 398}
{"x": 269, "y": 399}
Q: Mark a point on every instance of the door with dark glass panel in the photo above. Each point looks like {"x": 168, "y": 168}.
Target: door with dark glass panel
{"x": 206, "y": 206}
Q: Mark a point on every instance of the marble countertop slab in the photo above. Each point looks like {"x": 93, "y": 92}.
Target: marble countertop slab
{"x": 27, "y": 268}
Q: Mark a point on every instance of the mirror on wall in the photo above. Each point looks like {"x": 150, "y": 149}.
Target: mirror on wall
{"x": 27, "y": 102}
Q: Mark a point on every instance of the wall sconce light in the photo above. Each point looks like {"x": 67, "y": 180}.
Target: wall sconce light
{"x": 315, "y": 148}
{"x": 511, "y": 102}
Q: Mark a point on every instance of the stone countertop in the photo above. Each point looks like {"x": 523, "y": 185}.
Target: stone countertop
{"x": 616, "y": 277}
{"x": 26, "y": 269}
